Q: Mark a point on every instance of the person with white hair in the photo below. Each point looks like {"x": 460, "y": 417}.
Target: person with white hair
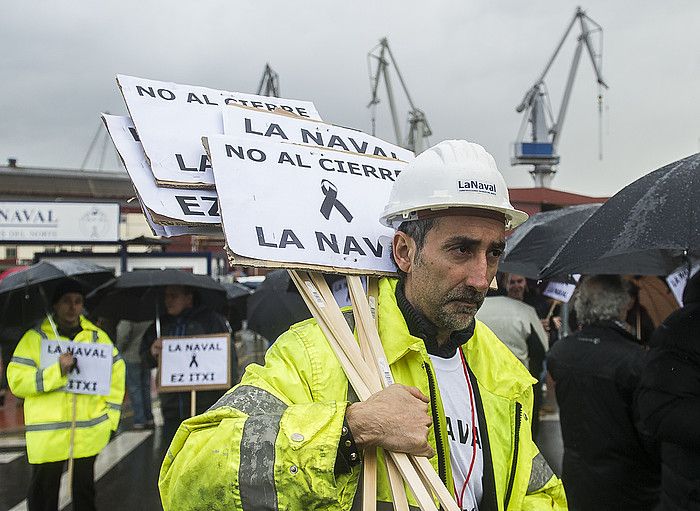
{"x": 596, "y": 371}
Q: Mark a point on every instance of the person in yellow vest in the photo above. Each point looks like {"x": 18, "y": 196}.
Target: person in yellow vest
{"x": 291, "y": 435}
{"x": 48, "y": 408}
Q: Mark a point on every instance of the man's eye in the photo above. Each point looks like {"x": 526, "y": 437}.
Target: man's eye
{"x": 496, "y": 253}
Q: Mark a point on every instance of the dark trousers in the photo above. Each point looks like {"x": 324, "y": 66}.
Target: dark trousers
{"x": 46, "y": 482}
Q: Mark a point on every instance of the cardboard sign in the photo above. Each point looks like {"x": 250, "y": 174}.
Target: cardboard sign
{"x": 167, "y": 206}
{"x": 304, "y": 207}
{"x": 247, "y": 122}
{"x": 679, "y": 278}
{"x": 559, "y": 291}
{"x": 171, "y": 119}
{"x": 93, "y": 371}
{"x": 195, "y": 363}
{"x": 342, "y": 293}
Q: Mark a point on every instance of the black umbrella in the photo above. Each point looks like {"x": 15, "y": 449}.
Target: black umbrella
{"x": 25, "y": 296}
{"x": 650, "y": 227}
{"x": 138, "y": 295}
{"x": 532, "y": 244}
{"x": 236, "y": 291}
{"x": 275, "y": 306}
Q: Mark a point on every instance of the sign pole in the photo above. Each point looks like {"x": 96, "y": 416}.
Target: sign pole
{"x": 72, "y": 443}
{"x": 193, "y": 403}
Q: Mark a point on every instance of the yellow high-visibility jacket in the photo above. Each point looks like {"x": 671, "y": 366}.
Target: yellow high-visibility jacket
{"x": 48, "y": 410}
{"x": 271, "y": 441}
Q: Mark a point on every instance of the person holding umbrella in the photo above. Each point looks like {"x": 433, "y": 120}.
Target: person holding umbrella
{"x": 62, "y": 425}
{"x": 185, "y": 316}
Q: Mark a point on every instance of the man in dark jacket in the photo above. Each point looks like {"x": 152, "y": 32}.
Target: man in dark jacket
{"x": 184, "y": 318}
{"x": 596, "y": 371}
{"x": 669, "y": 401}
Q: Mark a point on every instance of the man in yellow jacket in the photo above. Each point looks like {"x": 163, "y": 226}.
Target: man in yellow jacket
{"x": 48, "y": 408}
{"x": 291, "y": 434}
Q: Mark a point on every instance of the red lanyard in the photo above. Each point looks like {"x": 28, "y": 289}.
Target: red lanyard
{"x": 460, "y": 497}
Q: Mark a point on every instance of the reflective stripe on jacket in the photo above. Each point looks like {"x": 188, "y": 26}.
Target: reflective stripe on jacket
{"x": 271, "y": 442}
{"x": 48, "y": 409}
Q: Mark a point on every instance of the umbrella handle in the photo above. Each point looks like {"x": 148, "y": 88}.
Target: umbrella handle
{"x": 48, "y": 314}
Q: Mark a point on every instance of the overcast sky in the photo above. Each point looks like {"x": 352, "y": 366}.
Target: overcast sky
{"x": 467, "y": 65}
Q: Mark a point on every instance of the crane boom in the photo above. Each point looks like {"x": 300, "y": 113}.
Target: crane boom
{"x": 418, "y": 127}
{"x": 541, "y": 149}
{"x": 269, "y": 83}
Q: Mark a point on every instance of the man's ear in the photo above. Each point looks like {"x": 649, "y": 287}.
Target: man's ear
{"x": 404, "y": 250}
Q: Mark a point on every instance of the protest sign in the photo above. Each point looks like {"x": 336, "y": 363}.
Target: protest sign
{"x": 171, "y": 119}
{"x": 679, "y": 278}
{"x": 248, "y": 122}
{"x": 195, "y": 363}
{"x": 167, "y": 206}
{"x": 93, "y": 370}
{"x": 559, "y": 291}
{"x": 303, "y": 207}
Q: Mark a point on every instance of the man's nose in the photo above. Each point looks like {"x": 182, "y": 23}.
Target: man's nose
{"x": 477, "y": 276}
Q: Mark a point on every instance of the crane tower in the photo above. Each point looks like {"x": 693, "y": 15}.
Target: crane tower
{"x": 418, "y": 127}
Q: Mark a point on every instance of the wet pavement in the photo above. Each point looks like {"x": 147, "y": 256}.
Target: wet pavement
{"x": 126, "y": 471}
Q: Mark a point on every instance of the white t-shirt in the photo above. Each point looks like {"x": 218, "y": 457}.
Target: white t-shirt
{"x": 454, "y": 390}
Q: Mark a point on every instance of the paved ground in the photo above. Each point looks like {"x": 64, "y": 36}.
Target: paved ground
{"x": 127, "y": 470}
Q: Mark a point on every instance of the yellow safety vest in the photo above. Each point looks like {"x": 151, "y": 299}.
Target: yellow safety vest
{"x": 271, "y": 441}
{"x": 48, "y": 410}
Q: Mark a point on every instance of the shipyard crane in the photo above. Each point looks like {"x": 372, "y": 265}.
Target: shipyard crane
{"x": 418, "y": 127}
{"x": 541, "y": 150}
{"x": 269, "y": 83}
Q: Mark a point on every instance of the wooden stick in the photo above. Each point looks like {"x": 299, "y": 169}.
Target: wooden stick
{"x": 551, "y": 309}
{"x": 403, "y": 463}
{"x": 323, "y": 306}
{"x": 72, "y": 443}
{"x": 353, "y": 376}
{"x": 193, "y": 403}
{"x": 361, "y": 304}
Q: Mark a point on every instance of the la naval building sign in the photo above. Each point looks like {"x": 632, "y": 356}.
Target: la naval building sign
{"x": 51, "y": 222}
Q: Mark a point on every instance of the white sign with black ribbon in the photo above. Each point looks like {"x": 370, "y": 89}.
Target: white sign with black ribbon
{"x": 171, "y": 119}
{"x": 92, "y": 372}
{"x": 195, "y": 363}
{"x": 198, "y": 210}
{"x": 304, "y": 207}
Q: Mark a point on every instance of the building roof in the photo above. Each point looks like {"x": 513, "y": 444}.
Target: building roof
{"x": 534, "y": 200}
{"x": 36, "y": 183}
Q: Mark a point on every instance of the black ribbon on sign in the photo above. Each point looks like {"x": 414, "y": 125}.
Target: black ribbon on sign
{"x": 330, "y": 192}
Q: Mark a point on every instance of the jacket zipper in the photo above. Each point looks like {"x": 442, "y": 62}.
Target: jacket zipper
{"x": 442, "y": 468}
{"x": 511, "y": 480}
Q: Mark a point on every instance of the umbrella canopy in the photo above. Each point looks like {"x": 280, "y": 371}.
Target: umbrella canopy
{"x": 650, "y": 227}
{"x": 236, "y": 291}
{"x": 12, "y": 270}
{"x": 533, "y": 244}
{"x": 25, "y": 296}
{"x": 138, "y": 295}
{"x": 275, "y": 306}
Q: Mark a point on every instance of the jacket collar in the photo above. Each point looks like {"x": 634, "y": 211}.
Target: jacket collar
{"x": 496, "y": 369}
{"x": 85, "y": 324}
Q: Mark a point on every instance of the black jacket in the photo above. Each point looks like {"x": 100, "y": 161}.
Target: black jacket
{"x": 606, "y": 465}
{"x": 197, "y": 321}
{"x": 669, "y": 403}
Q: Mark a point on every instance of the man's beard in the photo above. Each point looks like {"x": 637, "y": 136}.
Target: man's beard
{"x": 455, "y": 314}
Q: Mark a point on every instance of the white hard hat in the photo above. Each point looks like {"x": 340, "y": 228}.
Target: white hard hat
{"x": 451, "y": 174}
